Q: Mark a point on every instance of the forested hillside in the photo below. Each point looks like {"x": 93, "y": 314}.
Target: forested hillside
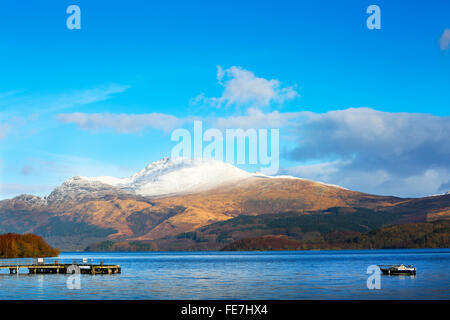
{"x": 411, "y": 235}
{"x": 25, "y": 246}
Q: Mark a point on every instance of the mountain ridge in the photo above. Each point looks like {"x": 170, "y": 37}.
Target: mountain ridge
{"x": 152, "y": 173}
{"x": 89, "y": 210}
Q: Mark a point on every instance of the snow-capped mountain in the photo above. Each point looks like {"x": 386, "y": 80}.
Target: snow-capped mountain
{"x": 173, "y": 196}
{"x": 164, "y": 177}
{"x": 78, "y": 188}
{"x": 27, "y": 200}
{"x": 168, "y": 176}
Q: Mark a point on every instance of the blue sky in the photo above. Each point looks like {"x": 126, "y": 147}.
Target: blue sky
{"x": 368, "y": 109}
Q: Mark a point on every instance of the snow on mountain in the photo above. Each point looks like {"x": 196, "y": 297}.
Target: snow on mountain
{"x": 262, "y": 175}
{"x": 26, "y": 200}
{"x": 174, "y": 176}
{"x": 168, "y": 176}
{"x": 77, "y": 188}
{"x": 440, "y": 194}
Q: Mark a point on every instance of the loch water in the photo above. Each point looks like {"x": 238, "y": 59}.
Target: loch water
{"x": 241, "y": 275}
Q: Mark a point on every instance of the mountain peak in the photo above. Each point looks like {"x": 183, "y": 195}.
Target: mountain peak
{"x": 166, "y": 176}
{"x": 182, "y": 175}
{"x": 28, "y": 200}
{"x": 77, "y": 188}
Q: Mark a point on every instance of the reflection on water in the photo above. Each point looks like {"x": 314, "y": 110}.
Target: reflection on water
{"x": 243, "y": 275}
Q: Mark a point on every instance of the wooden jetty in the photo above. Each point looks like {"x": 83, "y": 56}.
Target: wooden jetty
{"x": 39, "y": 266}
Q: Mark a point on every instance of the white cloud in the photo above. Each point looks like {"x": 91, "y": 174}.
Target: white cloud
{"x": 255, "y": 118}
{"x": 243, "y": 88}
{"x": 136, "y": 123}
{"x": 402, "y": 154}
{"x": 379, "y": 181}
{"x": 384, "y": 135}
{"x": 317, "y": 172}
{"x": 122, "y": 123}
{"x": 444, "y": 41}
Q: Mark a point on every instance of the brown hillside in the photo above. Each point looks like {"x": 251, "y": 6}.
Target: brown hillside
{"x": 121, "y": 216}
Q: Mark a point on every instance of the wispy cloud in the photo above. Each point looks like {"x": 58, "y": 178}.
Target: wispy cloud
{"x": 137, "y": 123}
{"x": 9, "y": 190}
{"x": 380, "y": 181}
{"x": 4, "y": 128}
{"x": 243, "y": 88}
{"x": 64, "y": 166}
{"x": 84, "y": 97}
{"x": 255, "y": 118}
{"x": 27, "y": 170}
{"x": 15, "y": 104}
{"x": 444, "y": 41}
{"x": 51, "y": 169}
{"x": 7, "y": 94}
{"x": 122, "y": 123}
{"x": 10, "y": 124}
{"x": 28, "y": 102}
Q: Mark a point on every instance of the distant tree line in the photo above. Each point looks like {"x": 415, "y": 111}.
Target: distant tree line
{"x": 411, "y": 235}
{"x": 121, "y": 246}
